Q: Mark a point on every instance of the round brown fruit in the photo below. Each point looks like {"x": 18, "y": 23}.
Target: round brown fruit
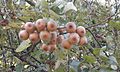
{"x": 51, "y": 47}
{"x": 53, "y": 38}
{"x": 40, "y": 25}
{"x": 81, "y": 31}
{"x": 70, "y": 27}
{"x": 45, "y": 47}
{"x": 51, "y": 25}
{"x": 60, "y": 38}
{"x": 45, "y": 35}
{"x": 65, "y": 44}
{"x": 83, "y": 41}
{"x": 74, "y": 38}
{"x": 34, "y": 37}
{"x": 29, "y": 27}
{"x": 23, "y": 35}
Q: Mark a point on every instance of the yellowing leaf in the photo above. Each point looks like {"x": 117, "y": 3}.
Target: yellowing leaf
{"x": 96, "y": 51}
{"x": 89, "y": 59}
{"x": 24, "y": 45}
{"x": 54, "y": 15}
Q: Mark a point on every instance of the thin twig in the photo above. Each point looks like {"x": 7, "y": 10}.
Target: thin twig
{"x": 36, "y": 59}
{"x": 30, "y": 2}
{"x": 96, "y": 40}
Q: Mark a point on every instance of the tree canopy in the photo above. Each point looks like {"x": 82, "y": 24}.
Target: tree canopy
{"x": 101, "y": 21}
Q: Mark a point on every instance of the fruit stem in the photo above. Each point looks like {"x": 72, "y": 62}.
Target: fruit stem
{"x": 68, "y": 68}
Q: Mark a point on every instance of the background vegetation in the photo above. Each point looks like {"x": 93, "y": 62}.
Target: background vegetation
{"x": 102, "y": 22}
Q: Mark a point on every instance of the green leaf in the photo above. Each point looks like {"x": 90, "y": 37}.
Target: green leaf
{"x": 96, "y": 51}
{"x": 114, "y": 24}
{"x": 72, "y": 70}
{"x": 19, "y": 67}
{"x": 24, "y": 45}
{"x": 10, "y": 4}
{"x": 69, "y": 6}
{"x": 106, "y": 70}
{"x": 58, "y": 63}
{"x": 89, "y": 59}
{"x": 60, "y": 69}
{"x": 105, "y": 59}
{"x": 44, "y": 3}
{"x": 60, "y": 54}
{"x": 54, "y": 15}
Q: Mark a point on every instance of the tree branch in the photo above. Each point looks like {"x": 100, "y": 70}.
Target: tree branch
{"x": 96, "y": 40}
{"x": 30, "y": 2}
{"x": 36, "y": 59}
{"x": 22, "y": 58}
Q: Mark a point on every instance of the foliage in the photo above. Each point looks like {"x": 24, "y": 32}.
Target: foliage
{"x": 101, "y": 54}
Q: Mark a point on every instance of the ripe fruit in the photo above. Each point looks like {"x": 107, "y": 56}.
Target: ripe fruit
{"x": 65, "y": 44}
{"x": 53, "y": 38}
{"x": 23, "y": 35}
{"x": 44, "y": 47}
{"x": 45, "y": 35}
{"x": 40, "y": 25}
{"x": 60, "y": 38}
{"x": 70, "y": 27}
{"x": 81, "y": 31}
{"x": 74, "y": 38}
{"x": 29, "y": 27}
{"x": 34, "y": 37}
{"x": 83, "y": 40}
{"x": 51, "y": 47}
{"x": 51, "y": 25}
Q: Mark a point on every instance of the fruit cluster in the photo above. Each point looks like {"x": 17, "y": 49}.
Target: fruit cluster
{"x": 50, "y": 34}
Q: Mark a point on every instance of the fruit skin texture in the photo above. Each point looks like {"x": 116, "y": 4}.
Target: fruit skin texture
{"x": 23, "y": 35}
{"x": 44, "y": 47}
{"x": 51, "y": 26}
{"x": 34, "y": 37}
{"x": 53, "y": 38}
{"x": 60, "y": 38}
{"x": 40, "y": 25}
{"x": 83, "y": 41}
{"x": 45, "y": 35}
{"x": 74, "y": 38}
{"x": 51, "y": 47}
{"x": 70, "y": 27}
{"x": 65, "y": 44}
{"x": 81, "y": 31}
{"x": 29, "y": 27}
